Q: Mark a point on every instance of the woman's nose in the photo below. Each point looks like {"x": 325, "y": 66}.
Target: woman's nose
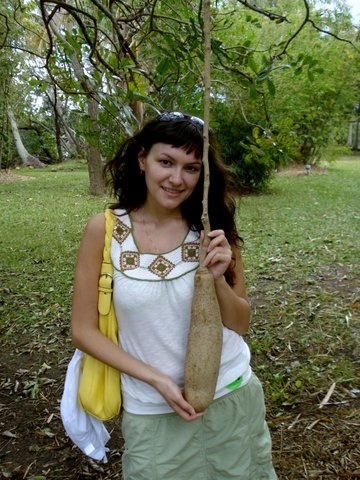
{"x": 176, "y": 177}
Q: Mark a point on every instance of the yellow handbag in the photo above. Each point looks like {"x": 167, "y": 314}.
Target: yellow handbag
{"x": 99, "y": 389}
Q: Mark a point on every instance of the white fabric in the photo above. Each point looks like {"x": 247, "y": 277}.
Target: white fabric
{"x": 154, "y": 319}
{"x": 87, "y": 432}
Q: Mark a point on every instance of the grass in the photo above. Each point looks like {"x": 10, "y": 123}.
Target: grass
{"x": 302, "y": 264}
{"x": 43, "y": 219}
{"x": 301, "y": 261}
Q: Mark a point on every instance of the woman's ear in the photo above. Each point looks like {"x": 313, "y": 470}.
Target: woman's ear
{"x": 141, "y": 159}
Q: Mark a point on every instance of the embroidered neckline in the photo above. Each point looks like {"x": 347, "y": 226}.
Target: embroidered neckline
{"x": 149, "y": 252}
{"x": 158, "y": 265}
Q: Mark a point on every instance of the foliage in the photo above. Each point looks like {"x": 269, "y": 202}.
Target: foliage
{"x": 87, "y": 74}
{"x": 252, "y": 152}
{"x": 295, "y": 81}
{"x": 314, "y": 97}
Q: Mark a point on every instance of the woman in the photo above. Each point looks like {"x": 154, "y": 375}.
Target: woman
{"x": 157, "y": 179}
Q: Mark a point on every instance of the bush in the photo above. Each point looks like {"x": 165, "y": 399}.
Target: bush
{"x": 252, "y": 154}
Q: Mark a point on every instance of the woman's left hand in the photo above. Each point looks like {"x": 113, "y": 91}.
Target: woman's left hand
{"x": 219, "y": 253}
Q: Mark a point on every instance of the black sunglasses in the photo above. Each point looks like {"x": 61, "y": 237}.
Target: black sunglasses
{"x": 171, "y": 116}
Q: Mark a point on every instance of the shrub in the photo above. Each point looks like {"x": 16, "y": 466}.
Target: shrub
{"x": 252, "y": 153}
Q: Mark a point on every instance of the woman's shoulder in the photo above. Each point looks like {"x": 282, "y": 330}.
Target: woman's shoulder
{"x": 95, "y": 229}
{"x": 97, "y": 222}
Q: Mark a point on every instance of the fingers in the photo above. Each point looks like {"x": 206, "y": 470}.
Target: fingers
{"x": 175, "y": 398}
{"x": 192, "y": 417}
{"x": 186, "y": 411}
{"x": 217, "y": 239}
{"x": 219, "y": 252}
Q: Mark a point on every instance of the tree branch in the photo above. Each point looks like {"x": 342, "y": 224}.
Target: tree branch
{"x": 6, "y": 33}
{"x": 272, "y": 16}
{"x": 205, "y": 159}
{"x": 327, "y": 32}
{"x": 294, "y": 35}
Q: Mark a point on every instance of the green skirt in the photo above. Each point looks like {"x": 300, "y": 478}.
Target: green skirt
{"x": 231, "y": 441}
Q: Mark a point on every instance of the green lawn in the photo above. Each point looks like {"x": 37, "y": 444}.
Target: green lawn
{"x": 301, "y": 259}
{"x": 42, "y": 221}
{"x": 302, "y": 263}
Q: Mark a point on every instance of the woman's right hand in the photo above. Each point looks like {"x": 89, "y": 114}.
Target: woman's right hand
{"x": 175, "y": 398}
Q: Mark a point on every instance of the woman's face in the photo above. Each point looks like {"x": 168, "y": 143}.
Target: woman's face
{"x": 171, "y": 175}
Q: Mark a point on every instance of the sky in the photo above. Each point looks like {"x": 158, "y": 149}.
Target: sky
{"x": 355, "y": 9}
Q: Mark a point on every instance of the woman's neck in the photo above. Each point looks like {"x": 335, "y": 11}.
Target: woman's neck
{"x": 158, "y": 231}
{"x": 150, "y": 214}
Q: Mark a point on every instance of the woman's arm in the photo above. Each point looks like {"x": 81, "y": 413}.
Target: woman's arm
{"x": 84, "y": 322}
{"x": 233, "y": 301}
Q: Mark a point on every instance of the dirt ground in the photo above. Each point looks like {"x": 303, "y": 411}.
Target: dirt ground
{"x": 8, "y": 177}
{"x": 308, "y": 442}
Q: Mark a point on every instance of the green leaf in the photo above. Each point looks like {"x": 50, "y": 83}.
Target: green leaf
{"x": 253, "y": 92}
{"x": 252, "y": 64}
{"x": 281, "y": 67}
{"x": 257, "y": 150}
{"x": 262, "y": 76}
{"x": 33, "y": 82}
{"x": 164, "y": 66}
{"x": 256, "y": 132}
{"x": 271, "y": 87}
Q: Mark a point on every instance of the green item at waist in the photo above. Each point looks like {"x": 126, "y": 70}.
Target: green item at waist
{"x": 235, "y": 384}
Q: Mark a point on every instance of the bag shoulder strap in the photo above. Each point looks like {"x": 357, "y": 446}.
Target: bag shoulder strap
{"x": 106, "y": 275}
{"x": 109, "y": 227}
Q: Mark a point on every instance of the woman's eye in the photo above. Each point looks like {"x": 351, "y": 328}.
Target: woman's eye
{"x": 193, "y": 169}
{"x": 165, "y": 162}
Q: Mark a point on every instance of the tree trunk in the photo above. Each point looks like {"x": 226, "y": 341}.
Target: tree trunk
{"x": 26, "y": 158}
{"x": 72, "y": 144}
{"x": 57, "y": 123}
{"x": 94, "y": 160}
{"x": 95, "y": 164}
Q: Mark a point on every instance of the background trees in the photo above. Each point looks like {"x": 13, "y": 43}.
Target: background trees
{"x": 80, "y": 76}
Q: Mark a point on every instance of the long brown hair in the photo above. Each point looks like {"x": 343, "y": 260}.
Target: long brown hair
{"x": 127, "y": 184}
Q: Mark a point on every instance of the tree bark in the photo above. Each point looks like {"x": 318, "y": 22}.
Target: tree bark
{"x": 26, "y": 157}
{"x": 71, "y": 144}
{"x": 94, "y": 160}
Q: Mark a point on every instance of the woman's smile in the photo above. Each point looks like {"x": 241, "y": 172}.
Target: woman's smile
{"x": 171, "y": 175}
{"x": 172, "y": 191}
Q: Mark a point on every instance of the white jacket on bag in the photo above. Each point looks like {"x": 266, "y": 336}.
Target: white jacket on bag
{"x": 86, "y": 431}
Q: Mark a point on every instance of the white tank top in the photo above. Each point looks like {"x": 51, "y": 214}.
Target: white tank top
{"x": 152, "y": 299}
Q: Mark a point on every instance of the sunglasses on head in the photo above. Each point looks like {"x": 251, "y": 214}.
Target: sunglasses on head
{"x": 171, "y": 116}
